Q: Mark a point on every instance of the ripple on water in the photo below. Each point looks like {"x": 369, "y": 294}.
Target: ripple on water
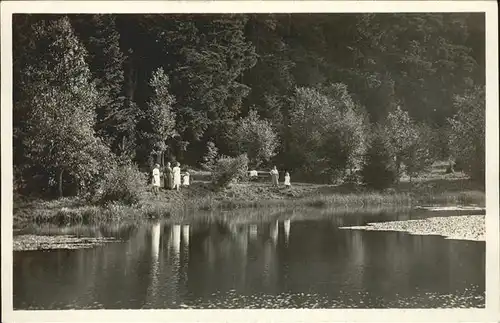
{"x": 469, "y": 298}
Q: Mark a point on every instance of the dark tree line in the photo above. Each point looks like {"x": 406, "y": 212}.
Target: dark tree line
{"x": 312, "y": 93}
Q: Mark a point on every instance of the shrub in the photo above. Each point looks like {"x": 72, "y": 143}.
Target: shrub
{"x": 256, "y": 138}
{"x": 467, "y": 135}
{"x": 379, "y": 169}
{"x": 210, "y": 157}
{"x": 414, "y": 145}
{"x": 420, "y": 156}
{"x": 228, "y": 169}
{"x": 402, "y": 135}
{"x": 327, "y": 132}
{"x": 124, "y": 184}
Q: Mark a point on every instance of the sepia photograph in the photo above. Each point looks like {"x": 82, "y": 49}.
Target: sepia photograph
{"x": 187, "y": 160}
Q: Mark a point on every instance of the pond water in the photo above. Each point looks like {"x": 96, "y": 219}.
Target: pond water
{"x": 291, "y": 260}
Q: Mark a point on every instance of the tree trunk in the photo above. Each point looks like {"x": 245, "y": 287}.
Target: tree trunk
{"x": 398, "y": 169}
{"x": 60, "y": 184}
{"x": 168, "y": 154}
{"x": 130, "y": 80}
{"x": 122, "y": 146}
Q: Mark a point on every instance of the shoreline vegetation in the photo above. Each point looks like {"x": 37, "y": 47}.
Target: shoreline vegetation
{"x": 98, "y": 113}
{"x": 246, "y": 202}
{"x": 444, "y": 190}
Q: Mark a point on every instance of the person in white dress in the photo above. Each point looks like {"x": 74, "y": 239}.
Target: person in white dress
{"x": 287, "y": 180}
{"x": 177, "y": 176}
{"x": 185, "y": 179}
{"x": 274, "y": 176}
{"x": 156, "y": 178}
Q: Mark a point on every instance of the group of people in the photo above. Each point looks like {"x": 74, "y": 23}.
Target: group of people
{"x": 274, "y": 177}
{"x": 171, "y": 177}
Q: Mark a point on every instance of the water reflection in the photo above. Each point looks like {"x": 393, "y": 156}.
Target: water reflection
{"x": 176, "y": 239}
{"x": 155, "y": 265}
{"x": 185, "y": 235}
{"x": 252, "y": 231}
{"x": 163, "y": 266}
{"x": 155, "y": 241}
{"x": 185, "y": 255}
{"x": 286, "y": 228}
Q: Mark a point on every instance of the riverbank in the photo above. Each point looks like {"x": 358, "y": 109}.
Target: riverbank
{"x": 444, "y": 190}
{"x": 465, "y": 227}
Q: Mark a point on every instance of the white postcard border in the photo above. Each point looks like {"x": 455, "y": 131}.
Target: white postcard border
{"x": 490, "y": 314}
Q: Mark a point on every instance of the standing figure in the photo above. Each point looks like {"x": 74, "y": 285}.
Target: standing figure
{"x": 287, "y": 180}
{"x": 274, "y": 176}
{"x": 185, "y": 179}
{"x": 254, "y": 175}
{"x": 168, "y": 177}
{"x": 156, "y": 178}
{"x": 177, "y": 176}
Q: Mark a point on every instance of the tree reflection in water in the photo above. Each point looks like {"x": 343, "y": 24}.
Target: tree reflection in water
{"x": 286, "y": 227}
{"x": 155, "y": 270}
{"x": 161, "y": 265}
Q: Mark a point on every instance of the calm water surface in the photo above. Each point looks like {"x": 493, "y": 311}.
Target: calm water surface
{"x": 286, "y": 262}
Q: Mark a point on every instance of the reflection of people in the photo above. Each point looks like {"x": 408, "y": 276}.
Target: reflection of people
{"x": 168, "y": 177}
{"x": 185, "y": 179}
{"x": 156, "y": 178}
{"x": 287, "y": 180}
{"x": 177, "y": 176}
{"x": 274, "y": 176}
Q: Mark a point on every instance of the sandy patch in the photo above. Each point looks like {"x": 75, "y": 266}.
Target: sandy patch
{"x": 450, "y": 208}
{"x": 466, "y": 227}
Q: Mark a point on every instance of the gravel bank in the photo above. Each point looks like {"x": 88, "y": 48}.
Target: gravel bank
{"x": 36, "y": 242}
{"x": 465, "y": 227}
{"x": 451, "y": 208}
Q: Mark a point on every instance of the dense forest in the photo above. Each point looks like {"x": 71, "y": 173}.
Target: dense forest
{"x": 324, "y": 96}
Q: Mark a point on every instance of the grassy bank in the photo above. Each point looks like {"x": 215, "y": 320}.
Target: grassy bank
{"x": 434, "y": 189}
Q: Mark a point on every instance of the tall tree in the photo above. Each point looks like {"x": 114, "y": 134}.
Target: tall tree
{"x": 328, "y": 133}
{"x": 271, "y": 78}
{"x": 208, "y": 55}
{"x": 160, "y": 116}
{"x": 115, "y": 122}
{"x": 62, "y": 100}
{"x": 467, "y": 136}
{"x": 24, "y": 53}
{"x": 402, "y": 135}
{"x": 220, "y": 66}
{"x": 425, "y": 55}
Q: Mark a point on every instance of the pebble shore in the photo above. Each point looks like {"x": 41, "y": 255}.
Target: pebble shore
{"x": 36, "y": 242}
{"x": 465, "y": 227}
